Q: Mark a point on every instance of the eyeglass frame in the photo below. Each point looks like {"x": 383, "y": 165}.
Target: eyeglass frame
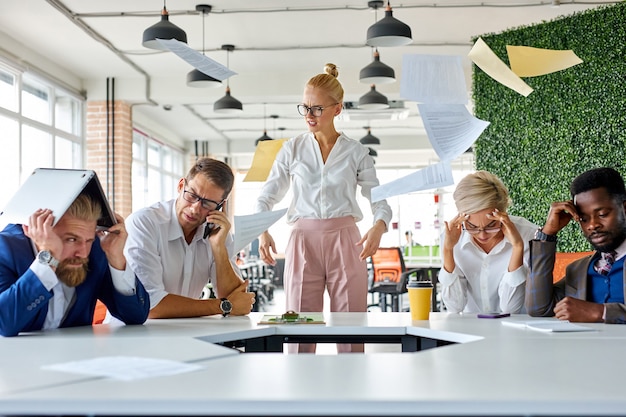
{"x": 310, "y": 109}
{"x": 195, "y": 198}
{"x": 477, "y": 230}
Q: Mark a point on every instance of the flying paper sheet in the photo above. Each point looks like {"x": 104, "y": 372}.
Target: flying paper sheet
{"x": 264, "y": 157}
{"x": 527, "y": 61}
{"x": 199, "y": 61}
{"x": 249, "y": 227}
{"x": 493, "y": 66}
{"x": 433, "y": 176}
{"x": 433, "y": 79}
{"x": 451, "y": 128}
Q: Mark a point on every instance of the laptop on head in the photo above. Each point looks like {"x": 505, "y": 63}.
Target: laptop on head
{"x": 55, "y": 189}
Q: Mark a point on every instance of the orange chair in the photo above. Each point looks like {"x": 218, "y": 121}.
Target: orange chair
{"x": 562, "y": 259}
{"x": 99, "y": 313}
{"x": 389, "y": 277}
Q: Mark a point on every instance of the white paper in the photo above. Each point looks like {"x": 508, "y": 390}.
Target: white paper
{"x": 547, "y": 325}
{"x": 433, "y": 176}
{"x": 249, "y": 227}
{"x": 450, "y": 128}
{"x": 433, "y": 79}
{"x": 125, "y": 368}
{"x": 199, "y": 61}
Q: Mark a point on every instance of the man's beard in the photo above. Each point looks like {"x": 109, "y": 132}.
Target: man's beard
{"x": 72, "y": 276}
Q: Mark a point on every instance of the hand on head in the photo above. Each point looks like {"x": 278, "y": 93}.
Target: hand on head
{"x": 41, "y": 232}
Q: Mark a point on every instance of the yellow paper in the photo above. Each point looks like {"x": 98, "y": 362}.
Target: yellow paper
{"x": 263, "y": 159}
{"x": 527, "y": 61}
{"x": 493, "y": 66}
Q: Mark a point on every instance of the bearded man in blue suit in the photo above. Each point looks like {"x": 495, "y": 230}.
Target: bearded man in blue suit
{"x": 51, "y": 275}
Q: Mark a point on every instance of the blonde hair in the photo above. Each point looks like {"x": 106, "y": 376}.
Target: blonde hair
{"x": 85, "y": 208}
{"x": 479, "y": 191}
{"x": 328, "y": 82}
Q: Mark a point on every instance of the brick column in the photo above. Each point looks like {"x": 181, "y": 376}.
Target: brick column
{"x": 117, "y": 182}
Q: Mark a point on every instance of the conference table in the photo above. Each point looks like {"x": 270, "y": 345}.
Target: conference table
{"x": 459, "y": 365}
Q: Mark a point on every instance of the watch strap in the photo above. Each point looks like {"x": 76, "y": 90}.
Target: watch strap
{"x": 539, "y": 235}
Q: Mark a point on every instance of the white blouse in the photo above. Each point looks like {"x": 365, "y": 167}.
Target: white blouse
{"x": 480, "y": 281}
{"x": 322, "y": 190}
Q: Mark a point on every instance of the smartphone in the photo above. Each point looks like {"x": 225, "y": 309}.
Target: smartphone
{"x": 492, "y": 315}
{"x": 209, "y": 227}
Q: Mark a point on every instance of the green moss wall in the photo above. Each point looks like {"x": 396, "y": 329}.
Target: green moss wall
{"x": 574, "y": 119}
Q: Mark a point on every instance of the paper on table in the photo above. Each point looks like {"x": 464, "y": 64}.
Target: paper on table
{"x": 433, "y": 176}
{"x": 433, "y": 79}
{"x": 451, "y": 128}
{"x": 249, "y": 227}
{"x": 548, "y": 325}
{"x": 527, "y": 61}
{"x": 199, "y": 61}
{"x": 493, "y": 66}
{"x": 124, "y": 367}
{"x": 264, "y": 157}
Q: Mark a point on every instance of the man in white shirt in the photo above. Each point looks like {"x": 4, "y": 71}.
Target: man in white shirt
{"x": 174, "y": 259}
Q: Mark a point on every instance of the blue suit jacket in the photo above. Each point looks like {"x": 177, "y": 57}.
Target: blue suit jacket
{"x": 24, "y": 299}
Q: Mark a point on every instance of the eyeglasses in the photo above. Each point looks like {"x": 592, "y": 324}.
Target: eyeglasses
{"x": 316, "y": 111}
{"x": 477, "y": 230}
{"x": 205, "y": 202}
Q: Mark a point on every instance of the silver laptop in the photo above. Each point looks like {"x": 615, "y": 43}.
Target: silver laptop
{"x": 55, "y": 189}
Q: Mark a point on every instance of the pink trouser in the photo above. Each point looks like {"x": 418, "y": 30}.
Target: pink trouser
{"x": 321, "y": 254}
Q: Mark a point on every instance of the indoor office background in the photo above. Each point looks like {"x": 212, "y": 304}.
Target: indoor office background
{"x": 43, "y": 124}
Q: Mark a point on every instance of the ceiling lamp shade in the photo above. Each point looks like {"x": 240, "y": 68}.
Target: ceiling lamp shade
{"x": 228, "y": 103}
{"x": 389, "y": 31}
{"x": 376, "y": 72}
{"x": 164, "y": 29}
{"x": 373, "y": 100}
{"x": 262, "y": 138}
{"x": 369, "y": 139}
{"x": 197, "y": 78}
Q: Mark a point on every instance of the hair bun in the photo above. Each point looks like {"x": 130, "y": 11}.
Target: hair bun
{"x": 331, "y": 69}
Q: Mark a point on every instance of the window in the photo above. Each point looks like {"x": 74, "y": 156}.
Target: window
{"x": 41, "y": 124}
{"x": 156, "y": 170}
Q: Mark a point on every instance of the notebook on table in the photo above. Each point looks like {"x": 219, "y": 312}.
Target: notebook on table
{"x": 55, "y": 189}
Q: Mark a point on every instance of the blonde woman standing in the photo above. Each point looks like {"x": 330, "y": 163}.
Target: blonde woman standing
{"x": 323, "y": 168}
{"x": 485, "y": 251}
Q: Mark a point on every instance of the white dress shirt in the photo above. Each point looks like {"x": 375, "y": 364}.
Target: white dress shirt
{"x": 322, "y": 190}
{"x": 157, "y": 251}
{"x": 480, "y": 281}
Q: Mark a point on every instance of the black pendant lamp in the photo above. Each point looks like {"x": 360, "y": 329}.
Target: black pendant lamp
{"x": 372, "y": 152}
{"x": 376, "y": 72}
{"x": 162, "y": 30}
{"x": 228, "y": 103}
{"x": 265, "y": 136}
{"x": 373, "y": 100}
{"x": 369, "y": 139}
{"x": 388, "y": 31}
{"x": 197, "y": 78}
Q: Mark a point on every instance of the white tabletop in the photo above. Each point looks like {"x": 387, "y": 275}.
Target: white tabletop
{"x": 490, "y": 370}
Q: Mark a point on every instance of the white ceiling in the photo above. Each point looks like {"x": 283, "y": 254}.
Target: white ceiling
{"x": 279, "y": 45}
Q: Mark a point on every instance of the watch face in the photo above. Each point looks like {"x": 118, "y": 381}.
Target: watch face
{"x": 226, "y": 306}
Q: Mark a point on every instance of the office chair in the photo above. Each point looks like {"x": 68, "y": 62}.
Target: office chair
{"x": 389, "y": 277}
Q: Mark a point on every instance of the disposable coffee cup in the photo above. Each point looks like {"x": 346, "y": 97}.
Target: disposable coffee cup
{"x": 420, "y": 296}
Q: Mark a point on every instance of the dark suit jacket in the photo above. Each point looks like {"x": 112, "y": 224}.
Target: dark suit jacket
{"x": 24, "y": 299}
{"x": 542, "y": 295}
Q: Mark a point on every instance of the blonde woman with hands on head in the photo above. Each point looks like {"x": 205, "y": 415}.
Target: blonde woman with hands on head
{"x": 485, "y": 250}
{"x": 324, "y": 168}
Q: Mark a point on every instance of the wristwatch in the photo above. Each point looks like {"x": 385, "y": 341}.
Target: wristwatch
{"x": 539, "y": 235}
{"x": 46, "y": 258}
{"x": 226, "y": 306}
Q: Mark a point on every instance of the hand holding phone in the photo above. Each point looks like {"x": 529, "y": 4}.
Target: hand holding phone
{"x": 210, "y": 227}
